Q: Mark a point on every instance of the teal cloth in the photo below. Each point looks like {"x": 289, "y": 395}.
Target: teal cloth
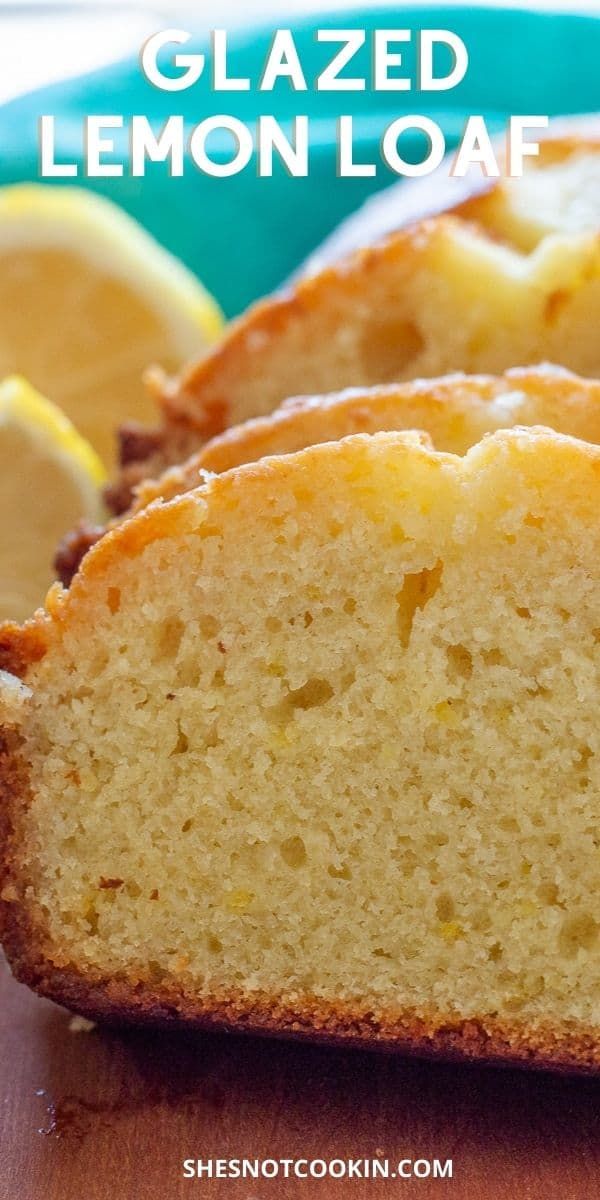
{"x": 244, "y": 235}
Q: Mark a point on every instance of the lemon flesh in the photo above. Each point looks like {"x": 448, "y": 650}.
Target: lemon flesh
{"x": 49, "y": 478}
{"x": 88, "y": 300}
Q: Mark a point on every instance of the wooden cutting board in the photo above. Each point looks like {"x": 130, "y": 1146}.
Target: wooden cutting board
{"x": 111, "y": 1115}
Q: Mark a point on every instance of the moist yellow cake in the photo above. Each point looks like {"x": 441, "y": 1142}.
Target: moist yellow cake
{"x": 314, "y": 750}
{"x": 455, "y": 411}
{"x": 441, "y": 296}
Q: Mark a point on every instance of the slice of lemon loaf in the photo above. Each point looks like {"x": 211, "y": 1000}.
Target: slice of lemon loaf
{"x": 455, "y": 411}
{"x": 441, "y": 296}
{"x": 314, "y": 750}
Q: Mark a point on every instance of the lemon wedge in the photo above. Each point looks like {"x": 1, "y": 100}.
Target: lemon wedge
{"x": 49, "y": 478}
{"x": 88, "y": 300}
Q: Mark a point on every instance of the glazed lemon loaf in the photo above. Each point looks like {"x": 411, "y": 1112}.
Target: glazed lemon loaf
{"x": 441, "y": 296}
{"x": 455, "y": 411}
{"x": 314, "y": 750}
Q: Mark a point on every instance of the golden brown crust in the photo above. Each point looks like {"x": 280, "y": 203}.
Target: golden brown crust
{"x": 72, "y": 548}
{"x": 201, "y": 397}
{"x": 19, "y": 933}
{"x": 201, "y": 403}
{"x": 453, "y": 402}
{"x": 300, "y": 422}
{"x": 148, "y": 452}
{"x": 21, "y": 645}
{"x": 136, "y": 1001}
{"x": 286, "y": 345}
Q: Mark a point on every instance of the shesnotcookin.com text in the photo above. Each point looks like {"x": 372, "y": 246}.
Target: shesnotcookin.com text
{"x": 316, "y": 1168}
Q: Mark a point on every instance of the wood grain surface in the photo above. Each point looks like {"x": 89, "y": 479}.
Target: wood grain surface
{"x": 112, "y": 1114}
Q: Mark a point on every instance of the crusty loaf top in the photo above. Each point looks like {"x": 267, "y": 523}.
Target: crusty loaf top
{"x": 253, "y": 491}
{"x": 456, "y": 411}
{"x": 440, "y": 296}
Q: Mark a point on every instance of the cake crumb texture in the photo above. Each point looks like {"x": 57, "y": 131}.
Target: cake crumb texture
{"x": 314, "y": 749}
